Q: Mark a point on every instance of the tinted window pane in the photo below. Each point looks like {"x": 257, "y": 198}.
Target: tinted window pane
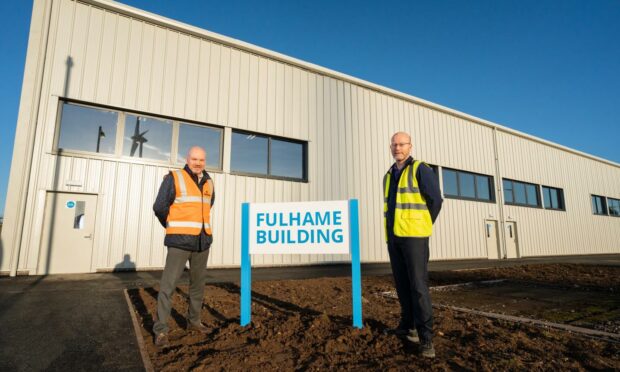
{"x": 546, "y": 197}
{"x": 466, "y": 184}
{"x": 287, "y": 159}
{"x": 208, "y": 138}
{"x": 87, "y": 129}
{"x": 508, "y": 191}
{"x": 519, "y": 190}
{"x": 249, "y": 153}
{"x": 614, "y": 207}
{"x": 147, "y": 138}
{"x": 532, "y": 194}
{"x": 449, "y": 183}
{"x": 555, "y": 199}
{"x": 482, "y": 185}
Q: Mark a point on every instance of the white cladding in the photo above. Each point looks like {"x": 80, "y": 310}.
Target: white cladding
{"x": 104, "y": 53}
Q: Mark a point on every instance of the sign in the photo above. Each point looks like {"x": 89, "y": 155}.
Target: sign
{"x": 325, "y": 227}
{"x": 299, "y": 228}
{"x": 70, "y": 204}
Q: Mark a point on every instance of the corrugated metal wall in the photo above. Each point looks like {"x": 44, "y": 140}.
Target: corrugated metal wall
{"x": 132, "y": 64}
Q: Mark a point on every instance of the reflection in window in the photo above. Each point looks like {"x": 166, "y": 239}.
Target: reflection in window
{"x": 614, "y": 207}
{"x": 147, "y": 137}
{"x": 450, "y": 186}
{"x": 467, "y": 185}
{"x": 521, "y": 193}
{"x": 287, "y": 159}
{"x": 249, "y": 153}
{"x": 80, "y": 215}
{"x": 598, "y": 205}
{"x": 206, "y": 137}
{"x": 553, "y": 198}
{"x": 87, "y": 129}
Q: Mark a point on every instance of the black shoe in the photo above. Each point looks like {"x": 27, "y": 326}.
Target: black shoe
{"x": 413, "y": 336}
{"x": 161, "y": 340}
{"x": 197, "y": 327}
{"x": 401, "y": 330}
{"x": 427, "y": 350}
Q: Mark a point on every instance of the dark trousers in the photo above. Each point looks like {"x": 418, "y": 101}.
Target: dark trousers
{"x": 409, "y": 260}
{"x": 175, "y": 264}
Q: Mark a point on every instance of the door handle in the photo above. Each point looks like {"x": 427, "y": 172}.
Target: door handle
{"x": 89, "y": 236}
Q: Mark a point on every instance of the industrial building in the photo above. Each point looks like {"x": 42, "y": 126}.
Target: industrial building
{"x": 114, "y": 96}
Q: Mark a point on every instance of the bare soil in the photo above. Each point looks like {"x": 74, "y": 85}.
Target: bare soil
{"x": 306, "y": 324}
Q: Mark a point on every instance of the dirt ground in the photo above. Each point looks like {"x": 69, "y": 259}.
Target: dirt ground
{"x": 306, "y": 324}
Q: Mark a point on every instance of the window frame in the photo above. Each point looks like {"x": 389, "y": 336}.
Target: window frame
{"x": 458, "y": 186}
{"x": 539, "y": 202}
{"x": 561, "y": 199}
{"x": 120, "y": 130}
{"x": 609, "y": 210}
{"x": 604, "y": 205}
{"x": 269, "y": 137}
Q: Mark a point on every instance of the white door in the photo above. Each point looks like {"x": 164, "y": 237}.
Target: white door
{"x": 68, "y": 229}
{"x": 512, "y": 243}
{"x": 490, "y": 231}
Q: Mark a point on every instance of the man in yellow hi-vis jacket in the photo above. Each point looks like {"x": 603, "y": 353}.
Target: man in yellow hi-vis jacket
{"x": 183, "y": 207}
{"x": 412, "y": 201}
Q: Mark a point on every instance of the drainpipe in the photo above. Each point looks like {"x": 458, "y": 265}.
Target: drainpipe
{"x": 500, "y": 197}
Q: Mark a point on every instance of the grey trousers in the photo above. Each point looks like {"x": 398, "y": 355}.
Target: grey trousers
{"x": 175, "y": 263}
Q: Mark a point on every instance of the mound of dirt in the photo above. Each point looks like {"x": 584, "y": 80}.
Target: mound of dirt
{"x": 307, "y": 325}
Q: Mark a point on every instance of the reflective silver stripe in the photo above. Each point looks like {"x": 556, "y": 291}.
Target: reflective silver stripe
{"x": 183, "y": 190}
{"x": 408, "y": 189}
{"x": 197, "y": 225}
{"x": 411, "y": 206}
{"x": 188, "y": 199}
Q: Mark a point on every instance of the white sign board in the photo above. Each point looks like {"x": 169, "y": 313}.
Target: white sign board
{"x": 299, "y": 228}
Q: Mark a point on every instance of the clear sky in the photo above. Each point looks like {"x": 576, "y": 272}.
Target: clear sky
{"x": 547, "y": 68}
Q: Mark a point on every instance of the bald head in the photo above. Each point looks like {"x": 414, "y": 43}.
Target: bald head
{"x": 196, "y": 159}
{"x": 400, "y": 146}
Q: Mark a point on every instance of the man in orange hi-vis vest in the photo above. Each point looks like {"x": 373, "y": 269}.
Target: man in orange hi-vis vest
{"x": 183, "y": 206}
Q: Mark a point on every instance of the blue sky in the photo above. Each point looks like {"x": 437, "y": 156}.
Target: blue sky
{"x": 547, "y": 68}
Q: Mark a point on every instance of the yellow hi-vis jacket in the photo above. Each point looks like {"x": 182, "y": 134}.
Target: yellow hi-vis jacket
{"x": 191, "y": 209}
{"x": 411, "y": 216}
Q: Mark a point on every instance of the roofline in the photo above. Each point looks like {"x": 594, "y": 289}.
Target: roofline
{"x": 254, "y": 49}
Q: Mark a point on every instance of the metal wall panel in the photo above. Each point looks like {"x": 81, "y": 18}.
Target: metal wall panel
{"x": 104, "y": 57}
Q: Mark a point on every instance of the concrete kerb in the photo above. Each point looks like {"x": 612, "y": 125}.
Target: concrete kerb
{"x": 146, "y": 360}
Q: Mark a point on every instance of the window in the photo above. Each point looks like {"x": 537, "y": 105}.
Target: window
{"x": 465, "y": 185}
{"x": 614, "y": 207}
{"x": 599, "y": 206}
{"x": 95, "y": 130}
{"x": 206, "y": 137}
{"x": 553, "y": 198}
{"x": 87, "y": 129}
{"x": 147, "y": 137}
{"x": 264, "y": 155}
{"x": 520, "y": 193}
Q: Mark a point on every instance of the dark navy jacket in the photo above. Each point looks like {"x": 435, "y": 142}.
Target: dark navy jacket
{"x": 428, "y": 183}
{"x": 165, "y": 198}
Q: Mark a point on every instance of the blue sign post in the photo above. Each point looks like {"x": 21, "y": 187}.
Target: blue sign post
{"x": 295, "y": 219}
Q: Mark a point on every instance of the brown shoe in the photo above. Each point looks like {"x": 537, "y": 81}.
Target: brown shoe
{"x": 161, "y": 340}
{"x": 197, "y": 327}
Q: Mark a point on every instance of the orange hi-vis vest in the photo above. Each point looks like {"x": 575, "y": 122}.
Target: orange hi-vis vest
{"x": 191, "y": 209}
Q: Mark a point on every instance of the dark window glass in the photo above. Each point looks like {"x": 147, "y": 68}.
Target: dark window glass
{"x": 450, "y": 186}
{"x": 531, "y": 191}
{"x": 206, "y": 137}
{"x": 287, "y": 159}
{"x": 466, "y": 185}
{"x": 614, "y": 207}
{"x": 482, "y": 187}
{"x": 87, "y": 129}
{"x": 249, "y": 153}
{"x": 598, "y": 205}
{"x": 147, "y": 138}
{"x": 553, "y": 198}
{"x": 508, "y": 194}
{"x": 519, "y": 190}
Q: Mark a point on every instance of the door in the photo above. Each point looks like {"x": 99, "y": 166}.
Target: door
{"x": 512, "y": 243}
{"x": 68, "y": 229}
{"x": 490, "y": 231}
